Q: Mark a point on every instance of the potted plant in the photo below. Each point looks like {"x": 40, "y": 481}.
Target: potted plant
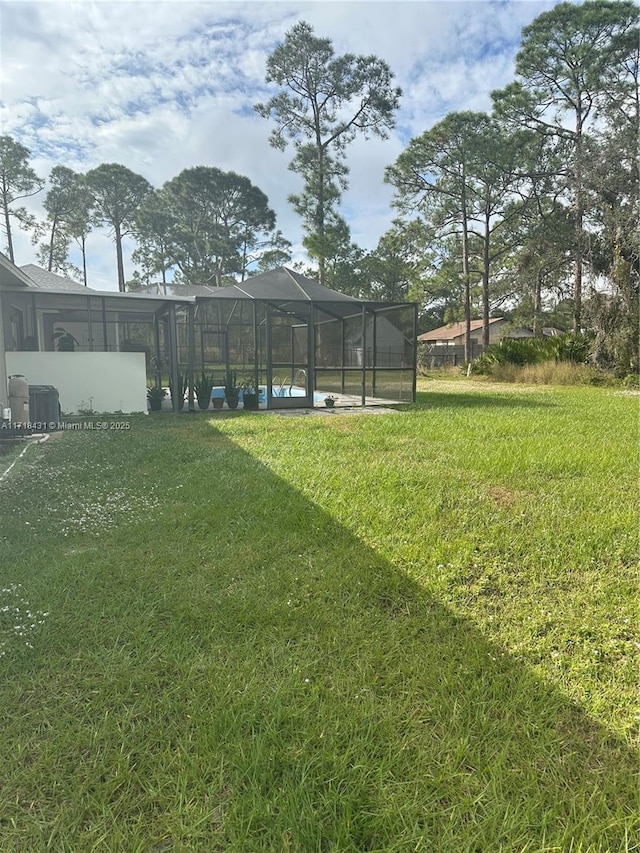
{"x": 65, "y": 340}
{"x": 156, "y": 395}
{"x": 181, "y": 390}
{"x": 250, "y": 395}
{"x": 330, "y": 401}
{"x": 203, "y": 388}
{"x": 231, "y": 389}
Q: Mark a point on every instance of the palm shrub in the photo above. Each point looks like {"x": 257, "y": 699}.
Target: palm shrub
{"x": 181, "y": 390}
{"x": 517, "y": 351}
{"x": 527, "y": 351}
{"x": 231, "y": 389}
{"x": 574, "y": 348}
{"x": 203, "y": 387}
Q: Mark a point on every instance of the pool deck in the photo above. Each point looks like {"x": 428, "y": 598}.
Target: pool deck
{"x": 345, "y": 404}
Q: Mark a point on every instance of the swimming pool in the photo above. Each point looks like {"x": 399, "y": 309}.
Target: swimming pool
{"x": 277, "y": 391}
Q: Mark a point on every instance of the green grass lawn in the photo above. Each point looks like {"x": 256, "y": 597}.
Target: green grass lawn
{"x": 405, "y": 632}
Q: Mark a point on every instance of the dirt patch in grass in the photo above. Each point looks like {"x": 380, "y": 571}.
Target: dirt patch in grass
{"x": 477, "y": 386}
{"x": 505, "y": 497}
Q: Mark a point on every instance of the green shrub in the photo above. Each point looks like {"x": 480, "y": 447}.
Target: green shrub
{"x": 574, "y": 348}
{"x": 631, "y": 380}
{"x": 516, "y": 351}
{"x": 520, "y": 352}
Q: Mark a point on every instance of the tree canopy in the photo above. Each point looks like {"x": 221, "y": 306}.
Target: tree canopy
{"x": 532, "y": 209}
{"x": 117, "y": 194}
{"x": 207, "y": 221}
{"x": 17, "y": 181}
{"x": 324, "y": 103}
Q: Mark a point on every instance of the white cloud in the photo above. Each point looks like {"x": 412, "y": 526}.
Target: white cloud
{"x": 164, "y": 86}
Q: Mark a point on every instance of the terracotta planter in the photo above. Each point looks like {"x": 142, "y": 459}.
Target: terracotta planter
{"x": 218, "y": 402}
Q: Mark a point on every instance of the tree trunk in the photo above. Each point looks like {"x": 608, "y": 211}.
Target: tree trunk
{"x": 466, "y": 276}
{"x": 467, "y": 290}
{"x": 578, "y": 220}
{"x": 118, "y": 236}
{"x": 84, "y": 260}
{"x": 322, "y": 266}
{"x": 537, "y": 305}
{"x": 485, "y": 284}
{"x": 51, "y": 242}
{"x": 7, "y": 223}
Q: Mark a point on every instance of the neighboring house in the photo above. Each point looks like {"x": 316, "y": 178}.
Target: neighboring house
{"x": 445, "y": 345}
{"x": 453, "y": 334}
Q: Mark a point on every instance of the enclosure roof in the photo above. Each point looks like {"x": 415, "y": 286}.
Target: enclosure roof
{"x": 281, "y": 285}
{"x": 180, "y": 290}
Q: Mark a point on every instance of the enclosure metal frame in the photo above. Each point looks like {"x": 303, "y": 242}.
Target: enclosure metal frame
{"x": 178, "y": 318}
{"x": 365, "y": 310}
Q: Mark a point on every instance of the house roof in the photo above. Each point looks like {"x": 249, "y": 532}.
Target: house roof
{"x": 11, "y": 275}
{"x": 45, "y": 280}
{"x": 454, "y": 330}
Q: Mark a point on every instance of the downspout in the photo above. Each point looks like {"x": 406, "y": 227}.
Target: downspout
{"x": 256, "y": 378}
{"x": 173, "y": 356}
{"x": 343, "y": 344}
{"x": 158, "y": 364}
{"x": 4, "y": 389}
{"x": 311, "y": 354}
{"x": 415, "y": 350}
{"x": 364, "y": 356}
{"x": 191, "y": 335}
{"x": 268, "y": 353}
{"x": 34, "y": 323}
{"x": 90, "y": 323}
{"x": 375, "y": 349}
{"x": 105, "y": 336}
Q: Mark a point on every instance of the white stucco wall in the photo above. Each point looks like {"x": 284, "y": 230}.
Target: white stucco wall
{"x": 3, "y": 368}
{"x": 102, "y": 381}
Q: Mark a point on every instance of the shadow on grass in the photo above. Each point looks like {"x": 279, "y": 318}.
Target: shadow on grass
{"x": 267, "y": 682}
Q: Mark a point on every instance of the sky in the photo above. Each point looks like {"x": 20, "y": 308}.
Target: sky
{"x": 164, "y": 86}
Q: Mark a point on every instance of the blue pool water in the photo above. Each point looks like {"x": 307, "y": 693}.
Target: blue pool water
{"x": 286, "y": 391}
{"x": 282, "y": 391}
